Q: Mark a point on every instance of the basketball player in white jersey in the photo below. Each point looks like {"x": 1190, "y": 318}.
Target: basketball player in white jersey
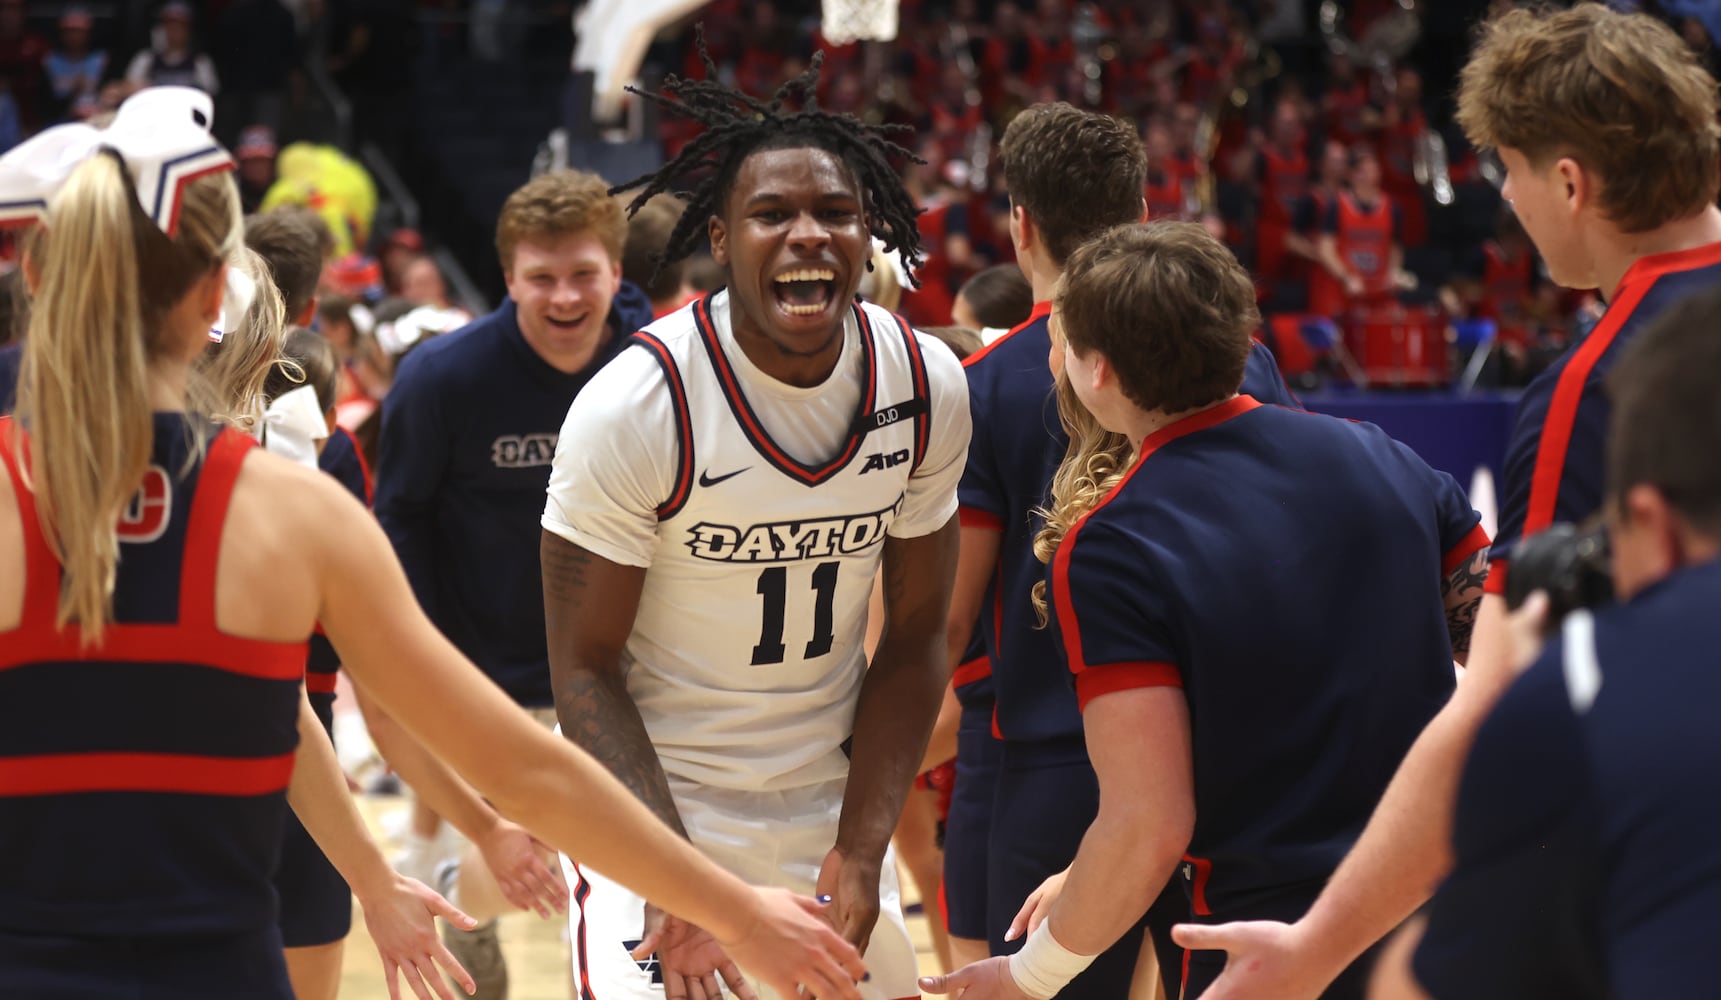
{"x": 722, "y": 497}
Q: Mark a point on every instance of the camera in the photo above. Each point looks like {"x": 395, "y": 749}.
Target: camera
{"x": 1569, "y": 562}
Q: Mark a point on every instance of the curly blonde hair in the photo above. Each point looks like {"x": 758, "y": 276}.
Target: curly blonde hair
{"x": 1093, "y": 465}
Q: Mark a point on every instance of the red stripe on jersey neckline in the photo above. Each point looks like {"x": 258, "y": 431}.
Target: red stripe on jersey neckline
{"x": 1068, "y": 626}
{"x": 751, "y": 426}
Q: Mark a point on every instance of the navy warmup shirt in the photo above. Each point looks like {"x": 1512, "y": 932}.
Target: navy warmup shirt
{"x": 468, "y": 431}
{"x": 1554, "y": 462}
{"x": 1285, "y": 569}
{"x": 1017, "y": 445}
{"x": 1588, "y": 830}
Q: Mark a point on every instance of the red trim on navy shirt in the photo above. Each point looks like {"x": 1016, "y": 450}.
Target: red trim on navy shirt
{"x": 1040, "y": 311}
{"x": 1459, "y": 554}
{"x": 320, "y": 681}
{"x": 1198, "y": 885}
{"x": 974, "y": 517}
{"x": 1068, "y": 626}
{"x": 72, "y": 773}
{"x": 1496, "y": 582}
{"x": 977, "y": 669}
{"x": 1562, "y": 412}
{"x": 1110, "y": 678}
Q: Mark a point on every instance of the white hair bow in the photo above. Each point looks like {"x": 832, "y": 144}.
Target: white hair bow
{"x": 293, "y": 424}
{"x": 162, "y": 134}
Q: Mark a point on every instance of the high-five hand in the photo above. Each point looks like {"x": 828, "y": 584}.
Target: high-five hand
{"x": 852, "y": 885}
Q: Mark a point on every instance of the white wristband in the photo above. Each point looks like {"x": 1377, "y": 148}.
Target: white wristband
{"x": 1043, "y": 966}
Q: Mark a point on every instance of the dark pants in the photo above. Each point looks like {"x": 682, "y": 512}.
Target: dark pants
{"x": 968, "y": 829}
{"x": 1047, "y": 797}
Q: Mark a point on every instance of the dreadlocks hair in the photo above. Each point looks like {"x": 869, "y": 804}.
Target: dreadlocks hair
{"x": 737, "y": 125}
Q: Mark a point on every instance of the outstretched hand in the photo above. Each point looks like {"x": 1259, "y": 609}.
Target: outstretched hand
{"x": 1267, "y": 959}
{"x": 401, "y": 919}
{"x": 791, "y": 947}
{"x": 522, "y": 868}
{"x": 1038, "y": 907}
{"x": 988, "y": 979}
{"x": 852, "y": 886}
{"x": 689, "y": 958}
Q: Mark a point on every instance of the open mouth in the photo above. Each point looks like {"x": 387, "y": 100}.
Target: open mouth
{"x": 806, "y": 292}
{"x": 567, "y": 324}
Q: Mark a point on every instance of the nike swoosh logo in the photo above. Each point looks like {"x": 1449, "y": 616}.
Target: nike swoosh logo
{"x": 706, "y": 479}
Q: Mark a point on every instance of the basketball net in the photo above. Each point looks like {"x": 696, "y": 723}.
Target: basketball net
{"x": 846, "y": 21}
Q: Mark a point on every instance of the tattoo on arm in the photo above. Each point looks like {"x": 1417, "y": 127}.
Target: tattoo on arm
{"x": 1461, "y": 592}
{"x": 592, "y": 702}
{"x": 597, "y": 713}
{"x": 564, "y": 568}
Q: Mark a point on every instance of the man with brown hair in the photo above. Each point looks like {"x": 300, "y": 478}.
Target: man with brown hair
{"x": 1607, "y": 126}
{"x": 1229, "y": 723}
{"x": 1072, "y": 175}
{"x": 468, "y": 431}
{"x": 295, "y": 243}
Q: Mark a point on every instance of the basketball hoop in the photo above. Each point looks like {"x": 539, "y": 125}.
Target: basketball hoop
{"x": 846, "y": 21}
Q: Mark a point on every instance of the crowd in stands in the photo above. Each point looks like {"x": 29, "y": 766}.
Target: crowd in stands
{"x": 1326, "y": 163}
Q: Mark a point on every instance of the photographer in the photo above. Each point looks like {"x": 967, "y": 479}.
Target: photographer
{"x": 1588, "y": 829}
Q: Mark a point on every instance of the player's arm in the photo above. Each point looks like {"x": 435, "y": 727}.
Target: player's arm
{"x": 1138, "y": 740}
{"x": 898, "y": 700}
{"x": 589, "y": 608}
{"x": 1461, "y": 593}
{"x": 911, "y": 667}
{"x": 1136, "y": 721}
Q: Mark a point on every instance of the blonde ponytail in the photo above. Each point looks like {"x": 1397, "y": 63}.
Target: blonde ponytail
{"x": 84, "y": 388}
{"x": 108, "y": 279}
{"x": 1094, "y": 463}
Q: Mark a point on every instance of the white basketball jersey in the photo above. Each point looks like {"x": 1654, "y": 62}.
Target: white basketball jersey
{"x": 746, "y": 656}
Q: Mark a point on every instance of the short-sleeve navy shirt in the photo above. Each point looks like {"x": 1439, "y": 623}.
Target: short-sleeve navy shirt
{"x": 1285, "y": 569}
{"x": 1553, "y": 470}
{"x": 1017, "y": 444}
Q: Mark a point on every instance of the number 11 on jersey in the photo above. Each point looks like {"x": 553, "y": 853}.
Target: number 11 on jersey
{"x": 774, "y": 590}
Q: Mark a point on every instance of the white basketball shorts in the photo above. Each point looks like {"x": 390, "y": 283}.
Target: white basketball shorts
{"x": 765, "y": 838}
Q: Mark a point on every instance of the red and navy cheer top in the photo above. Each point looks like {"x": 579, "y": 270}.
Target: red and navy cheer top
{"x": 143, "y": 779}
